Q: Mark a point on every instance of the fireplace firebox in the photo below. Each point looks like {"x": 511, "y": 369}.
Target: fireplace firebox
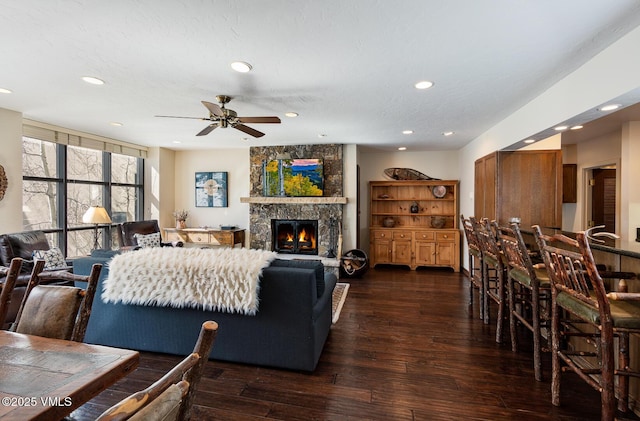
{"x": 295, "y": 236}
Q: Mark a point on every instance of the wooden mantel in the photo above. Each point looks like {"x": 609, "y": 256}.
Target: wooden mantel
{"x": 274, "y": 200}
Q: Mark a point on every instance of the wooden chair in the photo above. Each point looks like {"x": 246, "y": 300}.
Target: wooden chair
{"x": 171, "y": 397}
{"x": 475, "y": 265}
{"x": 494, "y": 269}
{"x": 528, "y": 292}
{"x": 579, "y": 291}
{"x": 11, "y": 276}
{"x": 56, "y": 311}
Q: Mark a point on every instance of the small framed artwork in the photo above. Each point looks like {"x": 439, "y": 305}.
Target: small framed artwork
{"x": 211, "y": 189}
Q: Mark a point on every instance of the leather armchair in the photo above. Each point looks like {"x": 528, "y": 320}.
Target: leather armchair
{"x": 21, "y": 244}
{"x": 128, "y": 230}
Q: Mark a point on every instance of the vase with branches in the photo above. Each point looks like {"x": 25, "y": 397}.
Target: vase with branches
{"x": 181, "y": 218}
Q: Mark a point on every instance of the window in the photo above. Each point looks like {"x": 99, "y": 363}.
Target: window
{"x": 62, "y": 181}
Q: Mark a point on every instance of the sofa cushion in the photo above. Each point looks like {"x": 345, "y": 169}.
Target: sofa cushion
{"x": 311, "y": 264}
{"x": 148, "y": 240}
{"x": 53, "y": 258}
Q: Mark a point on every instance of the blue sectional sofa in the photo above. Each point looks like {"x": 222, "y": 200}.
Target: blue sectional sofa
{"x": 289, "y": 330}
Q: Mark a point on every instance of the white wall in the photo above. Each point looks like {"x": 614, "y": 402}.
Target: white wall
{"x": 11, "y": 160}
{"x": 236, "y": 163}
{"x": 629, "y": 179}
{"x": 350, "y": 190}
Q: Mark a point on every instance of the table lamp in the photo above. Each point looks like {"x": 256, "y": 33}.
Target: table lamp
{"x": 96, "y": 215}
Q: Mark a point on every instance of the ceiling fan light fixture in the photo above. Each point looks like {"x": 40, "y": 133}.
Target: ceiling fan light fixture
{"x": 241, "y": 66}
{"x": 5, "y": 91}
{"x": 93, "y": 80}
{"x": 424, "y": 84}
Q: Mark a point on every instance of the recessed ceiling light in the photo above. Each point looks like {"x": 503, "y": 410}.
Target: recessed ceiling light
{"x": 610, "y": 107}
{"x": 407, "y": 132}
{"x": 245, "y": 139}
{"x": 530, "y": 141}
{"x": 291, "y": 114}
{"x": 5, "y": 91}
{"x": 402, "y": 148}
{"x": 561, "y": 128}
{"x": 576, "y": 127}
{"x": 177, "y": 142}
{"x": 322, "y": 135}
{"x": 424, "y": 84}
{"x": 448, "y": 133}
{"x": 116, "y": 123}
{"x": 93, "y": 80}
{"x": 241, "y": 66}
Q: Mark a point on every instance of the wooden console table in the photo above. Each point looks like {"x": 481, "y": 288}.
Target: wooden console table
{"x": 205, "y": 237}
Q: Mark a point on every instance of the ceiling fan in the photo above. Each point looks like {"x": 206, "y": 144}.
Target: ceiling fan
{"x": 224, "y": 117}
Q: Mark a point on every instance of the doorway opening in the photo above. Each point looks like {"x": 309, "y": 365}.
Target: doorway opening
{"x": 602, "y": 197}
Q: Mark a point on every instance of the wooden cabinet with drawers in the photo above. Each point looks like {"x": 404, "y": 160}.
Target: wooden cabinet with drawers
{"x": 201, "y": 237}
{"x": 414, "y": 223}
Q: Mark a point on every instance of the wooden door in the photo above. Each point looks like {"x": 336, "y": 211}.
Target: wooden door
{"x": 401, "y": 252}
{"x": 485, "y": 187}
{"x": 425, "y": 253}
{"x": 530, "y": 187}
{"x": 381, "y": 251}
{"x": 445, "y": 253}
{"x": 603, "y": 200}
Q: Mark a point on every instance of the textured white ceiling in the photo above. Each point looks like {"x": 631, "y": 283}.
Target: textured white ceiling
{"x": 347, "y": 67}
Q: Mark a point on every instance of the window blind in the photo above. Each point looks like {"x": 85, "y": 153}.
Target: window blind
{"x": 50, "y": 133}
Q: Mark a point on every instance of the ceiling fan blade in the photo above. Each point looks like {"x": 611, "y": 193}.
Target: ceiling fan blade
{"x": 259, "y": 119}
{"x": 213, "y": 108}
{"x": 207, "y": 129}
{"x": 175, "y": 116}
{"x": 248, "y": 130}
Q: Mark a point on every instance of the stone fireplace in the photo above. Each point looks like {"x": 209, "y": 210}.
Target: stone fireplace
{"x": 325, "y": 210}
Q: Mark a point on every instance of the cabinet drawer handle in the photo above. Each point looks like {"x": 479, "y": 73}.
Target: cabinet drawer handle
{"x": 381, "y": 235}
{"x": 445, "y": 236}
{"x": 401, "y": 235}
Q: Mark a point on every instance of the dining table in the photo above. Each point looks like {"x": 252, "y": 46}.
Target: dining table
{"x": 46, "y": 379}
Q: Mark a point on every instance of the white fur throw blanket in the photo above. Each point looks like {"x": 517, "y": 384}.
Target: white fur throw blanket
{"x": 224, "y": 279}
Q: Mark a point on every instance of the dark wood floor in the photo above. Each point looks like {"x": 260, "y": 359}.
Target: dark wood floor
{"x": 405, "y": 348}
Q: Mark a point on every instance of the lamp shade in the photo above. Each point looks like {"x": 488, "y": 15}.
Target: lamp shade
{"x": 96, "y": 215}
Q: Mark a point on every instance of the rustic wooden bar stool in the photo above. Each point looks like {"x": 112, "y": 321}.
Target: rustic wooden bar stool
{"x": 56, "y": 311}
{"x": 475, "y": 265}
{"x": 528, "y": 292}
{"x": 578, "y": 290}
{"x": 494, "y": 269}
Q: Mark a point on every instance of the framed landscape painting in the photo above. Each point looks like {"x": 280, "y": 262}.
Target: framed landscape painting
{"x": 211, "y": 189}
{"x": 294, "y": 177}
